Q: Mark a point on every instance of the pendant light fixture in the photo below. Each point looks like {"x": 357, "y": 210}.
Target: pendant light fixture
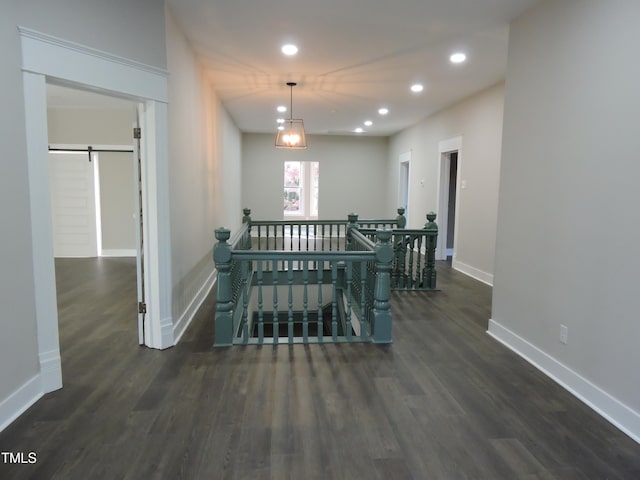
{"x": 290, "y": 133}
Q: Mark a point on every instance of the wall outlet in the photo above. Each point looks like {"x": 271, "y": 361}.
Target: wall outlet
{"x": 564, "y": 334}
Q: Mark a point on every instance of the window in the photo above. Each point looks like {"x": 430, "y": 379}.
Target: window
{"x": 301, "y": 189}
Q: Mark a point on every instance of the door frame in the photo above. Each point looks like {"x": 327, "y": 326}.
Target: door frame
{"x": 445, "y": 148}
{"x": 404, "y": 162}
{"x": 44, "y": 58}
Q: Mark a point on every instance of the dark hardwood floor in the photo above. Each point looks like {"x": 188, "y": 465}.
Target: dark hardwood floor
{"x": 444, "y": 401}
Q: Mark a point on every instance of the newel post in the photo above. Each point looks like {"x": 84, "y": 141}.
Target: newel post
{"x": 247, "y": 215}
{"x": 224, "y": 304}
{"x": 247, "y": 219}
{"x": 401, "y": 220}
{"x": 429, "y": 274}
{"x": 381, "y": 304}
{"x": 353, "y": 223}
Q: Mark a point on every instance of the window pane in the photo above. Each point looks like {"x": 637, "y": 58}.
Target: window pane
{"x": 291, "y": 174}
{"x": 291, "y": 200}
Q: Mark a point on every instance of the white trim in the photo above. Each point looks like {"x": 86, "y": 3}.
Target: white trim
{"x": 114, "y": 252}
{"x": 619, "y": 414}
{"x": 66, "y": 60}
{"x": 445, "y": 147}
{"x": 41, "y": 224}
{"x": 189, "y": 314}
{"x": 19, "y": 401}
{"x": 473, "y": 272}
{"x": 76, "y": 146}
{"x": 50, "y": 370}
{"x": 404, "y": 159}
{"x": 83, "y": 67}
{"x": 450, "y": 145}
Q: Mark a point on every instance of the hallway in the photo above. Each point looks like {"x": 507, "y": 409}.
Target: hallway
{"x": 444, "y": 401}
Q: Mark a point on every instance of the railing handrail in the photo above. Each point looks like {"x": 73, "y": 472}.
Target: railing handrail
{"x": 288, "y": 255}
{"x": 239, "y": 235}
{"x": 360, "y": 238}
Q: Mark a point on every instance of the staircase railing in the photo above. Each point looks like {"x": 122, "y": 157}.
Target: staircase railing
{"x": 261, "y": 289}
{"x": 317, "y": 281}
{"x": 414, "y": 263}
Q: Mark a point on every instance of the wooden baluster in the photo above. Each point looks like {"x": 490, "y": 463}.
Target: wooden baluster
{"x": 349, "y": 280}
{"x": 305, "y": 301}
{"x": 334, "y": 300}
{"x": 364, "y": 311}
{"x": 260, "y": 304}
{"x": 412, "y": 240}
{"x": 330, "y": 236}
{"x": 320, "y": 320}
{"x": 224, "y": 305}
{"x": 394, "y": 266}
{"x": 382, "y": 309}
{"x": 290, "y": 288}
{"x": 419, "y": 270}
{"x": 429, "y": 280}
{"x": 276, "y": 327}
{"x": 307, "y": 237}
{"x": 244, "y": 289}
{"x": 322, "y": 236}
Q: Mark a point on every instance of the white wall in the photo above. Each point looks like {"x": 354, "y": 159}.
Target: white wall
{"x": 139, "y": 35}
{"x": 205, "y": 165}
{"x": 352, "y": 175}
{"x": 568, "y": 230}
{"x": 88, "y": 126}
{"x": 478, "y": 120}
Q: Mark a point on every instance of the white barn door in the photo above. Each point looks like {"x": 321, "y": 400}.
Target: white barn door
{"x": 73, "y": 205}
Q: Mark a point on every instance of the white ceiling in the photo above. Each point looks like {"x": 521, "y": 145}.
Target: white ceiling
{"x": 354, "y": 57}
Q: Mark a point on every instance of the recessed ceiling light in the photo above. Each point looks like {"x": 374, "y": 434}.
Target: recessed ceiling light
{"x": 383, "y": 111}
{"x": 280, "y": 127}
{"x": 282, "y": 109}
{"x": 368, "y": 123}
{"x": 458, "y": 57}
{"x": 289, "y": 49}
{"x": 358, "y": 130}
{"x": 417, "y": 88}
{"x": 280, "y": 120}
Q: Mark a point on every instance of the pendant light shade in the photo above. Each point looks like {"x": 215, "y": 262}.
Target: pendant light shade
{"x": 290, "y": 133}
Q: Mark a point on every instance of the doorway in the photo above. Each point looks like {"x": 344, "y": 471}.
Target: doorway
{"x": 403, "y": 186}
{"x": 449, "y": 187}
{"x": 56, "y": 60}
{"x": 451, "y": 206}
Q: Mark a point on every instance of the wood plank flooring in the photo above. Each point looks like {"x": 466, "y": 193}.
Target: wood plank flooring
{"x": 444, "y": 401}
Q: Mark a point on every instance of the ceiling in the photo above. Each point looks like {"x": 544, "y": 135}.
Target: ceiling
{"x": 354, "y": 57}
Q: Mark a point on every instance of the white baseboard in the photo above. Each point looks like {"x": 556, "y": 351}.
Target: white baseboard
{"x": 600, "y": 401}
{"x": 185, "y": 319}
{"x": 50, "y": 370}
{"x": 118, "y": 253}
{"x": 473, "y": 272}
{"x": 19, "y": 401}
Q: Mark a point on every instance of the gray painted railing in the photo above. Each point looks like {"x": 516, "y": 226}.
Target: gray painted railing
{"x": 414, "y": 262}
{"x": 317, "y": 281}
{"x": 342, "y": 295}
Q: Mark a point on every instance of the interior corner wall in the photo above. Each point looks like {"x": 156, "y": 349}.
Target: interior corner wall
{"x": 129, "y": 29}
{"x": 478, "y": 120}
{"x": 352, "y": 175}
{"x": 18, "y": 342}
{"x": 568, "y": 233}
{"x": 88, "y": 126}
{"x": 204, "y": 166}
